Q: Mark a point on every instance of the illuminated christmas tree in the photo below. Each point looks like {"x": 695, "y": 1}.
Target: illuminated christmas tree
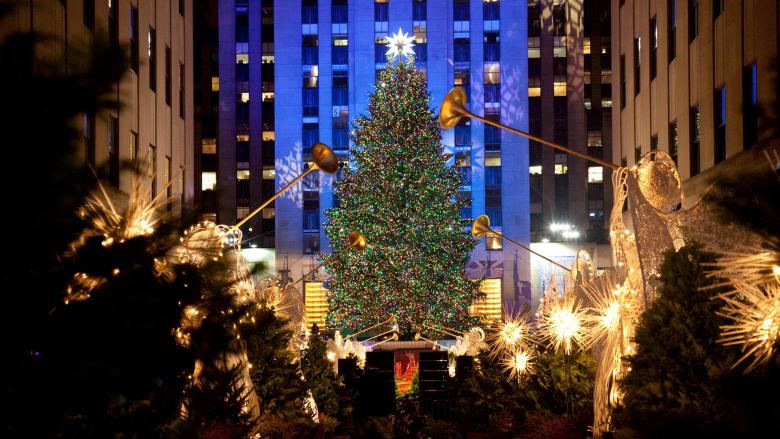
{"x": 401, "y": 194}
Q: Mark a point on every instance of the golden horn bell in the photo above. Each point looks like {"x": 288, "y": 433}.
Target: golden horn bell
{"x": 325, "y": 158}
{"x": 481, "y": 226}
{"x": 394, "y": 337}
{"x": 417, "y": 337}
{"x": 356, "y": 241}
{"x": 453, "y": 108}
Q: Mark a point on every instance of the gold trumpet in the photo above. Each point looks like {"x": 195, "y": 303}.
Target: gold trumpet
{"x": 453, "y": 109}
{"x": 446, "y": 331}
{"x": 324, "y": 158}
{"x": 418, "y": 336}
{"x": 481, "y": 227}
{"x": 391, "y": 320}
{"x": 393, "y": 338}
{"x": 355, "y": 240}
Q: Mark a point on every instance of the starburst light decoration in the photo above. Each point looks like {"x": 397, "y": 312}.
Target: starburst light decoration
{"x": 518, "y": 364}
{"x": 755, "y": 321}
{"x": 400, "y": 45}
{"x": 511, "y": 334}
{"x": 562, "y": 323}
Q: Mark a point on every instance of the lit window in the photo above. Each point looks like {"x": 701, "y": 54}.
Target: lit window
{"x": 315, "y": 299}
{"x": 561, "y": 169}
{"x": 242, "y": 174}
{"x": 215, "y": 83}
{"x": 492, "y": 73}
{"x": 586, "y": 46}
{"x": 209, "y": 146}
{"x": 492, "y": 161}
{"x": 269, "y": 136}
{"x": 493, "y": 242}
{"x": 241, "y": 212}
{"x": 242, "y": 58}
{"x": 595, "y": 174}
{"x": 269, "y": 173}
{"x": 208, "y": 181}
{"x": 535, "y": 170}
{"x": 242, "y": 138}
{"x": 559, "y": 89}
{"x": 489, "y": 307}
{"x": 534, "y": 92}
{"x": 269, "y": 213}
{"x": 244, "y": 97}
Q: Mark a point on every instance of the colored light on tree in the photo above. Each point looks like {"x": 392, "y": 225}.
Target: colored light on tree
{"x": 401, "y": 194}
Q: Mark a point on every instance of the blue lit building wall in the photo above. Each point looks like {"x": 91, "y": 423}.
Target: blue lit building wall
{"x": 361, "y": 31}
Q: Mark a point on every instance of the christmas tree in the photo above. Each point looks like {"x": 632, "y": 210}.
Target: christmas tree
{"x": 401, "y": 194}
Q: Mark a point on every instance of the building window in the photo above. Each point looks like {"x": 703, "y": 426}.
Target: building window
{"x": 492, "y": 73}
{"x": 88, "y": 133}
{"x": 493, "y": 242}
{"x": 637, "y": 64}
{"x": 695, "y": 143}
{"x": 113, "y": 22}
{"x": 151, "y": 52}
{"x": 311, "y": 243}
{"x": 622, "y": 81}
{"x": 493, "y": 171}
{"x": 559, "y": 18}
{"x": 168, "y": 76}
{"x": 492, "y": 133}
{"x": 595, "y": 174}
{"x": 310, "y": 50}
{"x": 419, "y": 10}
{"x": 310, "y": 102}
{"x": 750, "y": 104}
{"x": 672, "y": 31}
{"x": 151, "y": 169}
{"x": 720, "y": 124}
{"x": 381, "y": 11}
{"x": 491, "y": 47}
{"x": 311, "y": 135}
{"x": 89, "y": 14}
{"x": 181, "y": 90}
{"x": 311, "y": 220}
{"x": 534, "y": 22}
{"x": 339, "y": 53}
{"x": 461, "y": 50}
{"x": 309, "y": 12}
{"x": 718, "y": 6}
{"x": 134, "y": 146}
{"x": 653, "y": 46}
{"x": 338, "y": 11}
{"x": 463, "y": 133}
{"x": 208, "y": 181}
{"x": 134, "y": 49}
{"x": 113, "y": 150}
{"x": 674, "y": 144}
{"x": 654, "y": 142}
{"x": 693, "y": 20}
{"x": 460, "y": 10}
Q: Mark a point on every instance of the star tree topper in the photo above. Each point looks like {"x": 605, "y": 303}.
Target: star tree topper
{"x": 400, "y": 45}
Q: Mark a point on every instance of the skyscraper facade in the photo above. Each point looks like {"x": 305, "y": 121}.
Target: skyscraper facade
{"x": 153, "y": 125}
{"x": 697, "y": 79}
{"x": 327, "y": 54}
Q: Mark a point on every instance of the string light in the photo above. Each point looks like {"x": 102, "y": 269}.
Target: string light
{"x": 401, "y": 194}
